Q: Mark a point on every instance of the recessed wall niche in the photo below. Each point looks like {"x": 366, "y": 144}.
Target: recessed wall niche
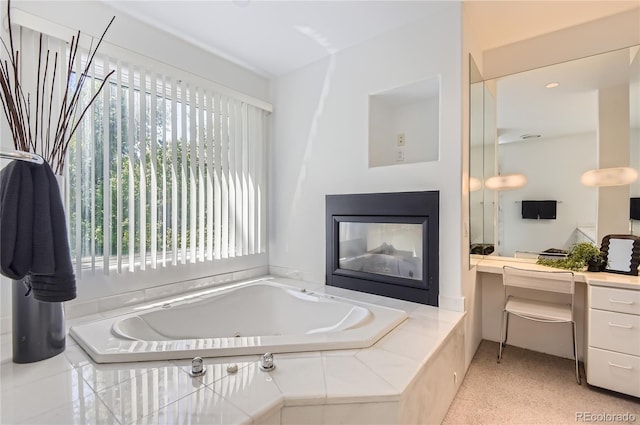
{"x": 404, "y": 124}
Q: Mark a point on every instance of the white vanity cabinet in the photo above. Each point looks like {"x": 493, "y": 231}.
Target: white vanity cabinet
{"x": 614, "y": 339}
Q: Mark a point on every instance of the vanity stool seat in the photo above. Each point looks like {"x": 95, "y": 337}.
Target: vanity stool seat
{"x": 531, "y": 307}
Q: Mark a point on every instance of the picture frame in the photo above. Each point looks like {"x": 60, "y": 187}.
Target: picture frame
{"x": 622, "y": 254}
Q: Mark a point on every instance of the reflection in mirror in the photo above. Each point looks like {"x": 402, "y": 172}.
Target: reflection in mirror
{"x": 623, "y": 253}
{"x": 476, "y": 93}
{"x": 553, "y": 133}
{"x": 482, "y": 131}
{"x": 634, "y": 108}
{"x": 404, "y": 124}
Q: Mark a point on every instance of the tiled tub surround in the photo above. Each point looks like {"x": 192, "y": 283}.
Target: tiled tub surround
{"x": 215, "y": 323}
{"x": 408, "y": 376}
{"x": 82, "y": 308}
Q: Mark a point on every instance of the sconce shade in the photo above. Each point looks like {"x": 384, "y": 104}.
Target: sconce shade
{"x": 506, "y": 182}
{"x": 474, "y": 184}
{"x": 616, "y": 176}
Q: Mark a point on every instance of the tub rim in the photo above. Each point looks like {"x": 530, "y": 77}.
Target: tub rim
{"x": 97, "y": 340}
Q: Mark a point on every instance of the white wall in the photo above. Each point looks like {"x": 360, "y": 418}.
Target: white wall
{"x": 613, "y": 151}
{"x": 320, "y": 142}
{"x": 418, "y": 121}
{"x": 547, "y": 162}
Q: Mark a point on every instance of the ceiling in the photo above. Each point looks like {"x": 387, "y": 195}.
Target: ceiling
{"x": 526, "y": 106}
{"x": 501, "y": 22}
{"x": 274, "y": 38}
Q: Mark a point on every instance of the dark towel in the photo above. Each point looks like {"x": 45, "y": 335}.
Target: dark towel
{"x": 634, "y": 209}
{"x": 34, "y": 232}
{"x": 547, "y": 210}
{"x": 529, "y": 209}
{"x": 16, "y": 220}
{"x": 542, "y": 210}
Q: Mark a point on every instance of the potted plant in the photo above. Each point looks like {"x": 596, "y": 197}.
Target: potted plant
{"x": 593, "y": 257}
{"x": 581, "y": 255}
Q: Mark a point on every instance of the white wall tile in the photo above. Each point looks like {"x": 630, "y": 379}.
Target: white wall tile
{"x": 89, "y": 410}
{"x": 148, "y": 392}
{"x": 348, "y": 380}
{"x": 397, "y": 370}
{"x": 200, "y": 407}
{"x": 24, "y": 402}
{"x": 77, "y": 309}
{"x": 273, "y": 418}
{"x": 121, "y": 300}
{"x": 361, "y": 413}
{"x": 307, "y": 387}
{"x": 252, "y": 390}
{"x": 13, "y": 374}
{"x": 302, "y": 415}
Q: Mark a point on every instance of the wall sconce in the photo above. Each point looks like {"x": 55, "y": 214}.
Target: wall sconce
{"x": 474, "y": 184}
{"x": 506, "y": 182}
{"x": 616, "y": 176}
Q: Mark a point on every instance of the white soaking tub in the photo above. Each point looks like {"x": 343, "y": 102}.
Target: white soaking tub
{"x": 252, "y": 318}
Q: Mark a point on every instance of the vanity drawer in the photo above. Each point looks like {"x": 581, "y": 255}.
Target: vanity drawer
{"x": 614, "y": 331}
{"x": 615, "y": 371}
{"x": 613, "y": 299}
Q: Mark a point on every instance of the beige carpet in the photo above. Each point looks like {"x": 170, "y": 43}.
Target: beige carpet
{"x": 532, "y": 388}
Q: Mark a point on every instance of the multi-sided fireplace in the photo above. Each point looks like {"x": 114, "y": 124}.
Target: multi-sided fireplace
{"x": 385, "y": 244}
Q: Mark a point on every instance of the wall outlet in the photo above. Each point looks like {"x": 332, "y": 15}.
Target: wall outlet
{"x": 401, "y": 139}
{"x": 400, "y": 155}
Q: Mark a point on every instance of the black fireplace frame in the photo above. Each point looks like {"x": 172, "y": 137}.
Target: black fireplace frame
{"x": 409, "y": 207}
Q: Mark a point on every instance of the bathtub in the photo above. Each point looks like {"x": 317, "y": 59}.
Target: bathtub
{"x": 251, "y": 318}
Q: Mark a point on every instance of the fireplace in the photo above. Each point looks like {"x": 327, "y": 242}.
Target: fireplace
{"x": 384, "y": 244}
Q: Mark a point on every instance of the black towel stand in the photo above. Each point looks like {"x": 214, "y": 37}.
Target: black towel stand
{"x": 38, "y": 330}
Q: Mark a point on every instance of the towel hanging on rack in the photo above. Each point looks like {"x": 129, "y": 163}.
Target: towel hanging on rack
{"x": 34, "y": 233}
{"x": 539, "y": 210}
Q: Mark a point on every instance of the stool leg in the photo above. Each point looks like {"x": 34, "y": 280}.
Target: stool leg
{"x": 506, "y": 331}
{"x": 575, "y": 352}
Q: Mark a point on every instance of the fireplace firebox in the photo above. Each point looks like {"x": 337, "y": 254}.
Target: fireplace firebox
{"x": 385, "y": 244}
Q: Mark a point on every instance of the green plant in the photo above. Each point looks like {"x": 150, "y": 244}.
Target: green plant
{"x": 578, "y": 257}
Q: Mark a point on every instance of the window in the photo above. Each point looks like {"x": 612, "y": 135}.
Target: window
{"x": 163, "y": 170}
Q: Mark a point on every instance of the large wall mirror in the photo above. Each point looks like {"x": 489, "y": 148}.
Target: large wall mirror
{"x": 552, "y": 124}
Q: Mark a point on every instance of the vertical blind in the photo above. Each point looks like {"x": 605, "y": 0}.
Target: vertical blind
{"x": 162, "y": 171}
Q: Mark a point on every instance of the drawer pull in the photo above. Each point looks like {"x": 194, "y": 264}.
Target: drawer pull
{"x": 620, "y": 366}
{"x": 615, "y": 325}
{"x": 621, "y": 302}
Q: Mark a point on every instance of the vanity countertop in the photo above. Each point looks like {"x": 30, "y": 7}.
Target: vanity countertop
{"x": 614, "y": 280}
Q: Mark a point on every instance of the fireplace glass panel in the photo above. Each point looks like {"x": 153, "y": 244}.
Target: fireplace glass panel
{"x": 391, "y": 249}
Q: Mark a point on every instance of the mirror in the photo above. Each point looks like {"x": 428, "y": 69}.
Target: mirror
{"x": 404, "y": 124}
{"x": 623, "y": 253}
{"x": 634, "y": 105}
{"x": 552, "y": 136}
{"x": 476, "y": 155}
{"x": 481, "y": 162}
